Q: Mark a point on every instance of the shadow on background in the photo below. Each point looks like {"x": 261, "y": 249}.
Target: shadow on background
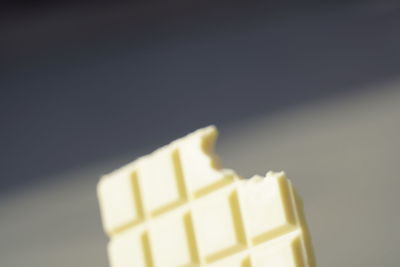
{"x": 87, "y": 82}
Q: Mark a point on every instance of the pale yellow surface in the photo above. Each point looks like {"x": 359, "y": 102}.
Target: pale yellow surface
{"x": 176, "y": 207}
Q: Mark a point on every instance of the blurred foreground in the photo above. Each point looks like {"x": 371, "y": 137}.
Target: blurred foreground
{"x": 341, "y": 154}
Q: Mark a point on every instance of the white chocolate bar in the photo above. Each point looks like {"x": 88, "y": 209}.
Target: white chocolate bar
{"x": 176, "y": 207}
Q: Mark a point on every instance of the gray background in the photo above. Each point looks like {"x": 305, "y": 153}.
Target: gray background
{"x": 309, "y": 89}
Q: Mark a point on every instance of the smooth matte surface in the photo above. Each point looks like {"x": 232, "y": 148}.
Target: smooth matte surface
{"x": 79, "y": 86}
{"x": 183, "y": 209}
{"x": 341, "y": 153}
